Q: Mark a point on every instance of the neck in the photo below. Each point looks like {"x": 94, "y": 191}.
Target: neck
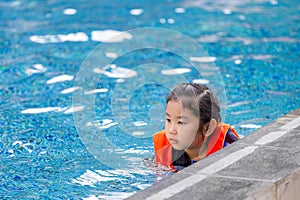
{"x": 195, "y": 154}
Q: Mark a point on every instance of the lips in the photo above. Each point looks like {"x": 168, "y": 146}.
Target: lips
{"x": 173, "y": 141}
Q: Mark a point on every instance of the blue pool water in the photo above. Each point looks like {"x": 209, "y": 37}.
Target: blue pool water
{"x": 51, "y": 148}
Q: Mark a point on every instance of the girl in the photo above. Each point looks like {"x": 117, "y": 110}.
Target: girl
{"x": 193, "y": 127}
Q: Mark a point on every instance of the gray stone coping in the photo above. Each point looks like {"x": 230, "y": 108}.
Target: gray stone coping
{"x": 263, "y": 165}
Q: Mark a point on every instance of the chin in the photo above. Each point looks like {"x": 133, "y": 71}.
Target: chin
{"x": 177, "y": 147}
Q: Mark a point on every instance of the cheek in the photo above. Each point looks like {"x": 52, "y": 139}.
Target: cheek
{"x": 188, "y": 134}
{"x": 191, "y": 136}
{"x": 190, "y": 129}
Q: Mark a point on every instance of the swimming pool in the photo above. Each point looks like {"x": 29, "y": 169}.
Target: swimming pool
{"x": 254, "y": 46}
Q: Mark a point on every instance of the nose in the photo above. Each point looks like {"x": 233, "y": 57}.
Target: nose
{"x": 173, "y": 129}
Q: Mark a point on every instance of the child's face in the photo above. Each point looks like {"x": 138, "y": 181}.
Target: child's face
{"x": 181, "y": 127}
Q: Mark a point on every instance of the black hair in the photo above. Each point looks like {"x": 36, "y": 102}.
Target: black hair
{"x": 199, "y": 99}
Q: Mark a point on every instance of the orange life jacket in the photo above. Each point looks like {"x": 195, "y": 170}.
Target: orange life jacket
{"x": 163, "y": 148}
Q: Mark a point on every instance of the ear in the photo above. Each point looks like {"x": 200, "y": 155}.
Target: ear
{"x": 210, "y": 127}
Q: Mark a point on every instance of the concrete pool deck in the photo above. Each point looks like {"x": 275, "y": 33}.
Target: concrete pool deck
{"x": 264, "y": 165}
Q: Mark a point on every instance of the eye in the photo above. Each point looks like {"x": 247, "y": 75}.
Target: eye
{"x": 168, "y": 120}
{"x": 181, "y": 122}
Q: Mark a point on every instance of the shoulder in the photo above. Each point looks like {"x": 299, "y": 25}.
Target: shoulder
{"x": 160, "y": 139}
{"x": 224, "y": 125}
{"x": 160, "y": 135}
{"x": 228, "y": 129}
{"x": 161, "y": 132}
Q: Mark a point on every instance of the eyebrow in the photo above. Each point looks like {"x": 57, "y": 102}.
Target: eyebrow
{"x": 179, "y": 117}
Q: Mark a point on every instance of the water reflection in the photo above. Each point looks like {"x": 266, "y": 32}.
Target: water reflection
{"x": 71, "y": 37}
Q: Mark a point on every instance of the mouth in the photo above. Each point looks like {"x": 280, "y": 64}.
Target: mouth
{"x": 173, "y": 141}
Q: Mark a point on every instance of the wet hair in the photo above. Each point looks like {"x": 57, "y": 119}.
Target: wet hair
{"x": 199, "y": 99}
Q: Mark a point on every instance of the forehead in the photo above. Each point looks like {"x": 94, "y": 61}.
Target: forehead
{"x": 174, "y": 108}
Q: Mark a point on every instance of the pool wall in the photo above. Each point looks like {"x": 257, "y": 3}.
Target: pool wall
{"x": 263, "y": 165}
